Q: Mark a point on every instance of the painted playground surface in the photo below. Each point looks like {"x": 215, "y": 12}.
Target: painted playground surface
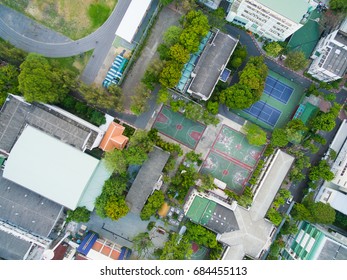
{"x": 232, "y": 159}
{"x": 179, "y": 128}
{"x": 199, "y": 252}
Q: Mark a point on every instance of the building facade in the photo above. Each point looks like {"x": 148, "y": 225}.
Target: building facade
{"x": 272, "y": 19}
{"x": 330, "y": 57}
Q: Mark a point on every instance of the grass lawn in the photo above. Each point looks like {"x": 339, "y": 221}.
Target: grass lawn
{"x": 73, "y": 18}
{"x": 74, "y": 63}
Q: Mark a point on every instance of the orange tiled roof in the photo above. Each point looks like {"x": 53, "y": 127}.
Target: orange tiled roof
{"x": 114, "y": 138}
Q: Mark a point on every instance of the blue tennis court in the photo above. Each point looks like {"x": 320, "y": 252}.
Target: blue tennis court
{"x": 277, "y": 90}
{"x": 264, "y": 112}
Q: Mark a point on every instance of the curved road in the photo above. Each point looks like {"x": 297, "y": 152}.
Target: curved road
{"x": 100, "y": 40}
{"x": 71, "y": 48}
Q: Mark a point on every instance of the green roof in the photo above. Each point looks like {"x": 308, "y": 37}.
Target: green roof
{"x": 309, "y": 112}
{"x": 197, "y": 208}
{"x": 293, "y": 10}
{"x": 305, "y": 39}
{"x": 2, "y": 159}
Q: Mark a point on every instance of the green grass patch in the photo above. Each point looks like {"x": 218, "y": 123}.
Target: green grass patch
{"x": 98, "y": 14}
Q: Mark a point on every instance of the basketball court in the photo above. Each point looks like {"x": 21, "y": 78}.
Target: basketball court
{"x": 232, "y": 159}
{"x": 179, "y": 128}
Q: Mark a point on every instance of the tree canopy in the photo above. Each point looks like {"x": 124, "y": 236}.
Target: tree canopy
{"x": 237, "y": 96}
{"x": 279, "y": 138}
{"x": 273, "y": 49}
{"x": 255, "y": 135}
{"x": 322, "y": 170}
{"x": 154, "y": 202}
{"x": 296, "y": 60}
{"x": 8, "y": 81}
{"x": 177, "y": 248}
{"x": 80, "y": 214}
{"x": 40, "y": 82}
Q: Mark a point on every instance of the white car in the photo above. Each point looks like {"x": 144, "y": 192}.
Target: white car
{"x": 290, "y": 199}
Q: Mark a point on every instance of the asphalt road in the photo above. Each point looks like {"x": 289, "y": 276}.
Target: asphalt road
{"x": 100, "y": 40}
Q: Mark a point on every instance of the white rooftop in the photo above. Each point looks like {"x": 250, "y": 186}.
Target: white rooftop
{"x": 132, "y": 19}
{"x": 49, "y": 167}
{"x": 336, "y": 199}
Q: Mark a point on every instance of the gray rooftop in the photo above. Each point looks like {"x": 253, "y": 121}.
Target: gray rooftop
{"x": 333, "y": 251}
{"x": 218, "y": 224}
{"x": 146, "y": 179}
{"x": 16, "y": 114}
{"x": 212, "y": 62}
{"x": 21, "y": 207}
{"x": 336, "y": 62}
{"x": 12, "y": 248}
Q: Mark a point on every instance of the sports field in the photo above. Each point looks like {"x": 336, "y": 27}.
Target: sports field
{"x": 232, "y": 159}
{"x": 277, "y": 103}
{"x": 179, "y": 128}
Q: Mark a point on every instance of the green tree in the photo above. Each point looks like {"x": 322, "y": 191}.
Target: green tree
{"x": 38, "y": 81}
{"x": 8, "y": 81}
{"x": 322, "y": 213}
{"x": 323, "y": 121}
{"x": 141, "y": 139}
{"x": 115, "y": 161}
{"x": 236, "y": 62}
{"x": 322, "y": 170}
{"x": 171, "y": 74}
{"x": 163, "y": 51}
{"x": 338, "y": 5}
{"x": 177, "y": 248}
{"x": 197, "y": 22}
{"x": 295, "y": 130}
{"x": 255, "y": 135}
{"x": 213, "y": 107}
{"x": 163, "y": 96}
{"x": 142, "y": 243}
{"x": 273, "y": 49}
{"x": 279, "y": 138}
{"x": 99, "y": 97}
{"x": 79, "y": 215}
{"x": 201, "y": 235}
{"x": 296, "y": 60}
{"x": 190, "y": 40}
{"x": 11, "y": 54}
{"x": 172, "y": 35}
{"x": 165, "y": 2}
{"x": 154, "y": 202}
{"x": 118, "y": 101}
{"x": 135, "y": 155}
{"x": 237, "y": 96}
{"x": 116, "y": 208}
{"x": 115, "y": 186}
{"x": 193, "y": 111}
{"x": 300, "y": 212}
{"x": 216, "y": 18}
{"x": 139, "y": 102}
{"x": 289, "y": 227}
{"x": 179, "y": 54}
{"x": 274, "y": 216}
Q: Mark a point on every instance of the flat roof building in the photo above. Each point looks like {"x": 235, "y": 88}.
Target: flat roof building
{"x": 51, "y": 168}
{"x": 211, "y": 64}
{"x": 23, "y": 209}
{"x": 147, "y": 180}
{"x": 132, "y": 19}
{"x": 330, "y": 57}
{"x": 16, "y": 114}
{"x": 313, "y": 242}
{"x": 273, "y": 19}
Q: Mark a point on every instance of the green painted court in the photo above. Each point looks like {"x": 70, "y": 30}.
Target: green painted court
{"x": 234, "y": 144}
{"x": 226, "y": 170}
{"x": 286, "y": 110}
{"x": 178, "y": 127}
{"x": 199, "y": 252}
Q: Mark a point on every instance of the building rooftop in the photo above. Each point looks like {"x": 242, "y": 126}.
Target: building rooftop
{"x": 293, "y": 10}
{"x": 336, "y": 62}
{"x": 12, "y": 248}
{"x": 212, "y": 215}
{"x": 270, "y": 184}
{"x": 335, "y": 198}
{"x": 28, "y": 210}
{"x": 132, "y": 19}
{"x": 333, "y": 251}
{"x": 212, "y": 62}
{"x": 114, "y": 138}
{"x": 146, "y": 179}
{"x": 49, "y": 167}
{"x": 16, "y": 114}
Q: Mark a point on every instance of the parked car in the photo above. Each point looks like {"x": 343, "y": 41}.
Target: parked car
{"x": 290, "y": 199}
